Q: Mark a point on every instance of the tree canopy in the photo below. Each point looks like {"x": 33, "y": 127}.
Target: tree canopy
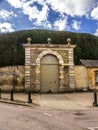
{"x": 12, "y": 52}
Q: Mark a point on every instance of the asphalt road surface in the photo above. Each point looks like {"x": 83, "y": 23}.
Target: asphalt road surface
{"x": 14, "y": 117}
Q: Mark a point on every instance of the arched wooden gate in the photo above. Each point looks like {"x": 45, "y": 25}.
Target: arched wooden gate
{"x": 49, "y": 77}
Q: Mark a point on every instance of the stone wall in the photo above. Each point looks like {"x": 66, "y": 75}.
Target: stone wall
{"x": 91, "y": 78}
{"x": 10, "y": 75}
{"x": 81, "y": 79}
{"x": 84, "y": 78}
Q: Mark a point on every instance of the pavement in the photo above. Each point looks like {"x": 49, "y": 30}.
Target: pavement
{"x": 65, "y": 101}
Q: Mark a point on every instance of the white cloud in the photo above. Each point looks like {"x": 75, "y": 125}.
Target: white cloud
{"x": 72, "y": 7}
{"x": 76, "y": 24}
{"x": 6, "y": 14}
{"x": 20, "y": 3}
{"x": 16, "y": 3}
{"x": 61, "y": 24}
{"x": 40, "y": 17}
{"x": 94, "y": 13}
{"x": 43, "y": 24}
{"x": 6, "y": 27}
{"x": 31, "y": 10}
{"x": 96, "y": 33}
{"x": 34, "y": 13}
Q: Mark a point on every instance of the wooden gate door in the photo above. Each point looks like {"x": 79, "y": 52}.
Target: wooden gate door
{"x": 49, "y": 74}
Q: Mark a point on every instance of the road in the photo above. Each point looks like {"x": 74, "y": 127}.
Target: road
{"x": 15, "y": 117}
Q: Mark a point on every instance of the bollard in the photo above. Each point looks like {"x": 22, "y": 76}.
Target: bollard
{"x": 12, "y": 97}
{"x": 0, "y": 92}
{"x": 95, "y": 98}
{"x": 29, "y": 97}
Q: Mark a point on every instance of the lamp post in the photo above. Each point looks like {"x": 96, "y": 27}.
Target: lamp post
{"x": 95, "y": 98}
{"x": 13, "y": 67}
{"x": 13, "y": 85}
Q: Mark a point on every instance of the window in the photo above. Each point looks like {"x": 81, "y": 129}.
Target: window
{"x": 96, "y": 78}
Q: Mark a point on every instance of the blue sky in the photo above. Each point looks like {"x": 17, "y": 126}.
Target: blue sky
{"x": 61, "y": 15}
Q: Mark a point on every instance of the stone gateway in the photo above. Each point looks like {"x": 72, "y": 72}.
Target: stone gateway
{"x": 49, "y": 67}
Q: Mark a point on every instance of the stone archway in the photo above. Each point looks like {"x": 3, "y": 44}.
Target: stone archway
{"x": 33, "y": 55}
{"x": 38, "y": 69}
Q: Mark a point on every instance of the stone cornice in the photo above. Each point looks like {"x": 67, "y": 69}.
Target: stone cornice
{"x": 49, "y": 45}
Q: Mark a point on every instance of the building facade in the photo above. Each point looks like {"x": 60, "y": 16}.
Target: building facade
{"x": 91, "y": 67}
{"x": 49, "y": 67}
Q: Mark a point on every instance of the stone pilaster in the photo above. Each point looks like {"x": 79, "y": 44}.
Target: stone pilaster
{"x": 61, "y": 77}
{"x": 27, "y": 68}
{"x": 38, "y": 77}
{"x": 71, "y": 60}
{"x": 27, "y": 56}
{"x": 71, "y": 69}
{"x": 71, "y": 77}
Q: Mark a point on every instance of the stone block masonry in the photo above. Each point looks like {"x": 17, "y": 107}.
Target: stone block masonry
{"x": 11, "y": 74}
{"x": 34, "y": 53}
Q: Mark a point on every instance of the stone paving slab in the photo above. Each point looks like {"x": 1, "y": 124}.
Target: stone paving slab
{"x": 57, "y": 101}
{"x": 84, "y": 99}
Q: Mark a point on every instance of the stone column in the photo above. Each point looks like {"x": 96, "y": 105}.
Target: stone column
{"x": 38, "y": 77}
{"x": 27, "y": 68}
{"x": 61, "y": 77}
{"x": 71, "y": 69}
